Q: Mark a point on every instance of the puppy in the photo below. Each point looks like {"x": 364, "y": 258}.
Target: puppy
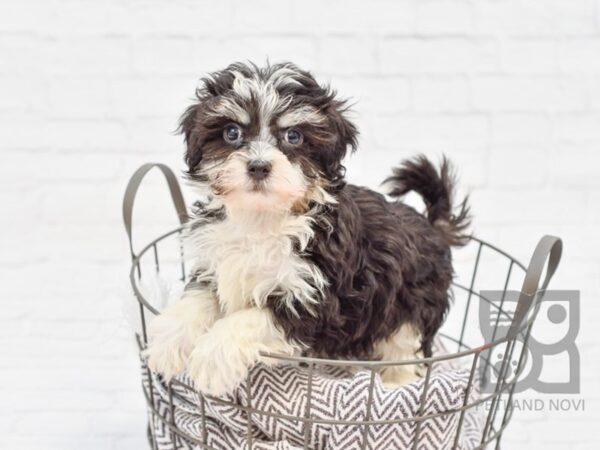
{"x": 289, "y": 257}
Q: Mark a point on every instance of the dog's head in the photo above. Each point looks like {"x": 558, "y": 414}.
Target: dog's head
{"x": 267, "y": 138}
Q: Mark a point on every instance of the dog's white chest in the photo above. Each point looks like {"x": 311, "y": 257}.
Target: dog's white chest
{"x": 249, "y": 262}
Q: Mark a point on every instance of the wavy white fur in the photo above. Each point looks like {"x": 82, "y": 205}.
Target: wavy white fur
{"x": 250, "y": 256}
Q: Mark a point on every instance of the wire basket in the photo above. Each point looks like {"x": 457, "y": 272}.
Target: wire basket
{"x": 479, "y": 265}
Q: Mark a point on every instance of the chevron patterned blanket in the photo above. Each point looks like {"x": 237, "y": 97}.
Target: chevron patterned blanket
{"x": 336, "y": 395}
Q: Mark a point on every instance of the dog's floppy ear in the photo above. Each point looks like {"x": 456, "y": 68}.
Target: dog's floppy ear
{"x": 347, "y": 133}
{"x": 343, "y": 136}
{"x": 187, "y": 126}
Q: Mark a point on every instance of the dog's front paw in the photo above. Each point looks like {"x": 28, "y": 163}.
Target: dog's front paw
{"x": 169, "y": 345}
{"x": 217, "y": 366}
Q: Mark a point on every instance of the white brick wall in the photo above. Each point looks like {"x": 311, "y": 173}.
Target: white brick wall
{"x": 509, "y": 89}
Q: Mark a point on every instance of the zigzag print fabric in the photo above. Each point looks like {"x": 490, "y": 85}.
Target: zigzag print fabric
{"x": 283, "y": 390}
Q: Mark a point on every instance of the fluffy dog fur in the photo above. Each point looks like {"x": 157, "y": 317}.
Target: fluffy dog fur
{"x": 288, "y": 256}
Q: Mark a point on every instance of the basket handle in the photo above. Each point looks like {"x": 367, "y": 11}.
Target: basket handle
{"x": 131, "y": 193}
{"x": 548, "y": 249}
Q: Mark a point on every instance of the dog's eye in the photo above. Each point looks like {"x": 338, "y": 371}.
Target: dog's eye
{"x": 232, "y": 133}
{"x": 293, "y": 137}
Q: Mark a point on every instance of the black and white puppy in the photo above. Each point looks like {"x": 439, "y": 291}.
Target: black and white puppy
{"x": 289, "y": 257}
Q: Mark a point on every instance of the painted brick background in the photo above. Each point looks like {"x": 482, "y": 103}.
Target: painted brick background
{"x": 89, "y": 90}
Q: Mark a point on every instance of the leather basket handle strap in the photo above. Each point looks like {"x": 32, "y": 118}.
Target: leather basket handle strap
{"x": 131, "y": 193}
{"x": 548, "y": 250}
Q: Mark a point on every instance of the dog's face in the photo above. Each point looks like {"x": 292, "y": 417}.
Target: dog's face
{"x": 266, "y": 138}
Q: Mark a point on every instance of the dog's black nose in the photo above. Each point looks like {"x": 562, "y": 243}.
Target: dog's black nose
{"x": 259, "y": 170}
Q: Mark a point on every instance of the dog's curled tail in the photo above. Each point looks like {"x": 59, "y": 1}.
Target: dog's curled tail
{"x": 437, "y": 190}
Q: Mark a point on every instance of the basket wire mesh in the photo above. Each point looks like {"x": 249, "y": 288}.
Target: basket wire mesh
{"x": 149, "y": 262}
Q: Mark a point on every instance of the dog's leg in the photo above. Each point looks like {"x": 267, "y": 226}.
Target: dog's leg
{"x": 403, "y": 345}
{"x": 172, "y": 334}
{"x": 222, "y": 356}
